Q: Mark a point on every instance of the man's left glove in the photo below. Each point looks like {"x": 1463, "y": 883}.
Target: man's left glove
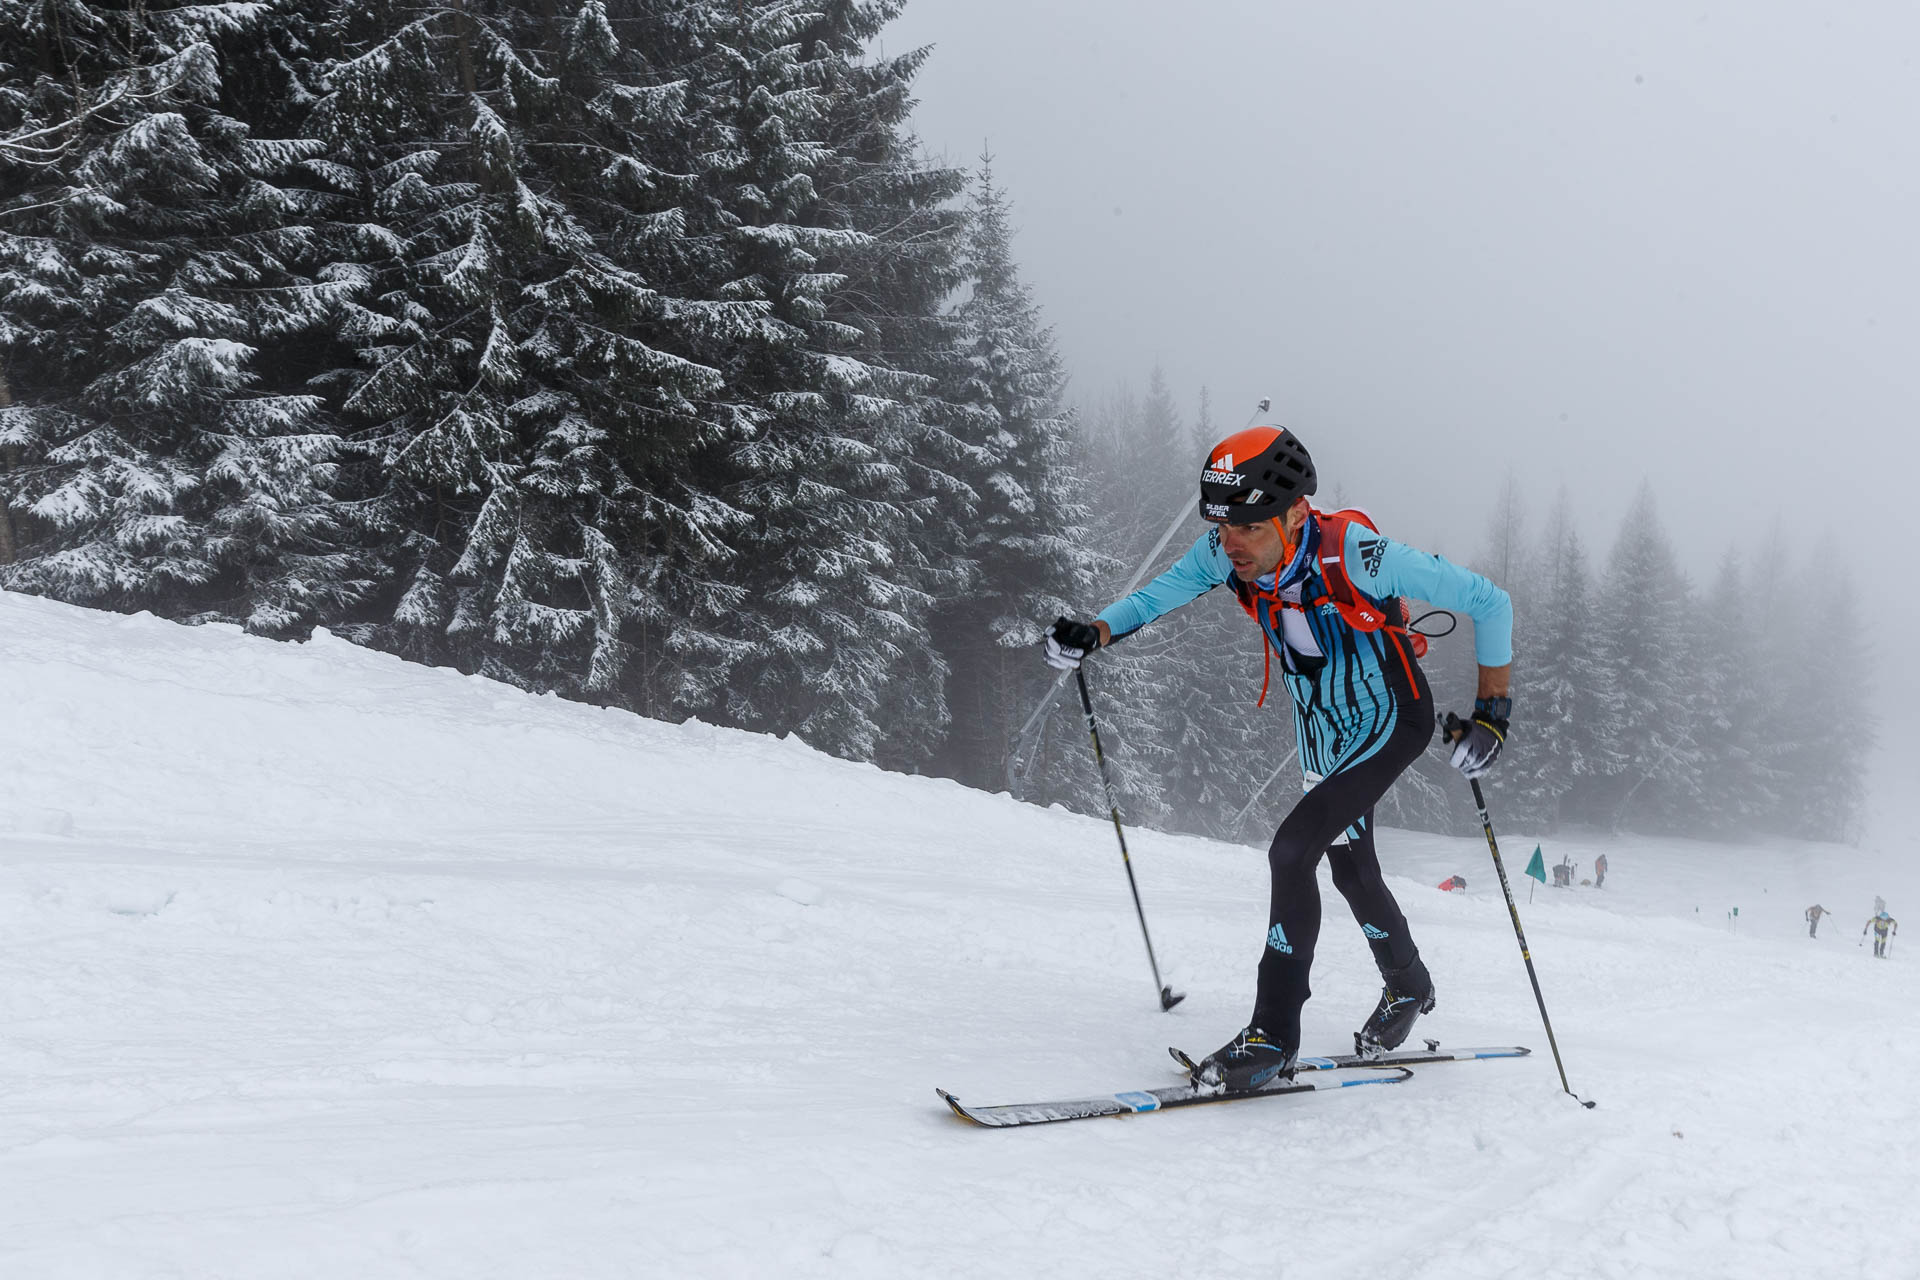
{"x": 1477, "y": 742}
{"x": 1068, "y": 642}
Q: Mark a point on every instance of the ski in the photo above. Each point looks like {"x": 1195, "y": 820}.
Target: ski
{"x": 1402, "y": 1058}
{"x": 1008, "y": 1115}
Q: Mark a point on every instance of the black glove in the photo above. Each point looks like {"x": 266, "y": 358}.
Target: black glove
{"x": 1069, "y": 641}
{"x": 1477, "y": 742}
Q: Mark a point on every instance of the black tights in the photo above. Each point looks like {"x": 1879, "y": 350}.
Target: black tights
{"x": 1345, "y": 798}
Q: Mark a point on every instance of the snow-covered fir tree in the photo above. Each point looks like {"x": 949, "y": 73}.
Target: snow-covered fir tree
{"x": 1649, "y": 699}
{"x": 811, "y": 202}
{"x": 1507, "y": 555}
{"x": 1141, "y": 475}
{"x": 1565, "y": 688}
{"x": 525, "y": 400}
{"x": 1520, "y": 565}
{"x": 1823, "y": 720}
{"x": 161, "y": 293}
{"x": 1739, "y": 774}
{"x": 1020, "y": 534}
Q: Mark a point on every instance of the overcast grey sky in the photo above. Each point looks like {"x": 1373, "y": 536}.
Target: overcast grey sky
{"x": 1588, "y": 243}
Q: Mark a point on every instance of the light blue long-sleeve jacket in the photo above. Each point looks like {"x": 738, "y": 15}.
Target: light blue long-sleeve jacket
{"x": 1346, "y": 701}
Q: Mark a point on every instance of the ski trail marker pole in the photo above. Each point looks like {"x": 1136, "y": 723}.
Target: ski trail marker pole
{"x": 1454, "y": 729}
{"x": 1168, "y": 996}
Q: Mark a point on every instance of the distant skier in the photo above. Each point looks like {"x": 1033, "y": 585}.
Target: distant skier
{"x": 1600, "y": 871}
{"x": 1814, "y": 913}
{"x": 1880, "y": 925}
{"x": 1325, "y": 590}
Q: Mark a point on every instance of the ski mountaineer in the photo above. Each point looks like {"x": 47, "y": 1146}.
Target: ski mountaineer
{"x": 1880, "y": 924}
{"x": 1326, "y": 590}
{"x": 1814, "y": 913}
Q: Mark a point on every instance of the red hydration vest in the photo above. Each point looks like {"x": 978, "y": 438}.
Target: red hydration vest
{"x": 1357, "y": 610}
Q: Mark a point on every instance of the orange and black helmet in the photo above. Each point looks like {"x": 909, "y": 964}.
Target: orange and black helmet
{"x": 1255, "y": 475}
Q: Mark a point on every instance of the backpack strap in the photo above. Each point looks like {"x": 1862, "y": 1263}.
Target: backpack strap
{"x": 1250, "y": 598}
{"x": 1356, "y": 610}
{"x": 1359, "y": 611}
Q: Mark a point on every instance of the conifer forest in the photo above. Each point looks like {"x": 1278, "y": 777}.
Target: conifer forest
{"x": 638, "y": 352}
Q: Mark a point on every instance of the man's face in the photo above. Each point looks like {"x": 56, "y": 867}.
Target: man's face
{"x": 1254, "y": 549}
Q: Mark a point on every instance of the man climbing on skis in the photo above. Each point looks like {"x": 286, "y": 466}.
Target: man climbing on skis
{"x": 1814, "y": 913}
{"x": 1326, "y": 590}
{"x": 1880, "y": 923}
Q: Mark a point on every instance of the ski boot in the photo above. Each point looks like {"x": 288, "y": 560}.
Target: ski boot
{"x": 1408, "y": 993}
{"x": 1251, "y": 1060}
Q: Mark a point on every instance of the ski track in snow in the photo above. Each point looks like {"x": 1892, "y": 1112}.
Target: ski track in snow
{"x": 314, "y": 963}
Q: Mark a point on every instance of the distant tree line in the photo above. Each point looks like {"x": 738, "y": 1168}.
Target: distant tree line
{"x": 631, "y": 349}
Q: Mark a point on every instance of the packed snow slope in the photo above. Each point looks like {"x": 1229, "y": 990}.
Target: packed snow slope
{"x": 315, "y": 963}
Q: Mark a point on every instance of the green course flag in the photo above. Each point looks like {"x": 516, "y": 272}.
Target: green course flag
{"x": 1538, "y": 867}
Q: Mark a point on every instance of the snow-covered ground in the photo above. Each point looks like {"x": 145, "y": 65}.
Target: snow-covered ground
{"x": 313, "y": 963}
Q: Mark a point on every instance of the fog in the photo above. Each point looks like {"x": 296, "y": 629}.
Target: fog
{"x": 1586, "y": 245}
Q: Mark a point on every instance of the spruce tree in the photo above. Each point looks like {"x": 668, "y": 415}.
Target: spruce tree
{"x": 1650, "y": 710}
{"x": 1510, "y": 559}
{"x": 1566, "y": 685}
{"x": 1142, "y": 470}
{"x": 811, "y": 203}
{"x": 1731, "y": 722}
{"x": 1111, "y": 432}
{"x": 1507, "y": 556}
{"x": 1020, "y": 535}
{"x": 1823, "y": 715}
{"x": 161, "y": 288}
{"x": 527, "y": 409}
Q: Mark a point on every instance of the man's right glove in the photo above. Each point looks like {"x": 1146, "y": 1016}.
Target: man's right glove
{"x": 1068, "y": 642}
{"x": 1477, "y": 742}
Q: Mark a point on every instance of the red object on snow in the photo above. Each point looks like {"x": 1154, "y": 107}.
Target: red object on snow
{"x": 1454, "y": 884}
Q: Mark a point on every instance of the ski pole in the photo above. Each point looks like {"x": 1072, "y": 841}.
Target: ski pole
{"x": 1168, "y": 996}
{"x": 1454, "y": 729}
